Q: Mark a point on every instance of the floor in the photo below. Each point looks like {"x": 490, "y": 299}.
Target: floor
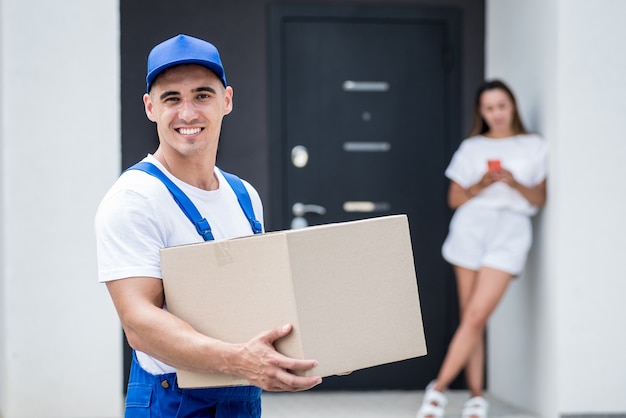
{"x": 400, "y": 404}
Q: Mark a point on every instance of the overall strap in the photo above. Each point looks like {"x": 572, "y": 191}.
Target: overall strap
{"x": 189, "y": 209}
{"x": 243, "y": 197}
{"x": 187, "y": 206}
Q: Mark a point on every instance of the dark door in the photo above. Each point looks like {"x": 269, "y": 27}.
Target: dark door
{"x": 365, "y": 119}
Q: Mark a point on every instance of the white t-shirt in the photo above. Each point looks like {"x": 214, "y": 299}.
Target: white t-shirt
{"x": 523, "y": 155}
{"x": 138, "y": 216}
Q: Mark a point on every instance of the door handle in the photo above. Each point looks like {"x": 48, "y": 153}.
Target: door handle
{"x": 300, "y": 209}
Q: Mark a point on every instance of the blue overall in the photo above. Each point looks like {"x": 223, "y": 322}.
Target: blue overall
{"x": 158, "y": 396}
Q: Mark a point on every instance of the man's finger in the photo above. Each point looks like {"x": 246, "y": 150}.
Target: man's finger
{"x": 276, "y": 333}
{"x": 295, "y": 382}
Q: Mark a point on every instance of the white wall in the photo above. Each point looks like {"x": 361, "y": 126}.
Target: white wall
{"x": 59, "y": 144}
{"x": 593, "y": 105}
{"x": 521, "y": 49}
{"x": 3, "y": 314}
{"x": 557, "y": 342}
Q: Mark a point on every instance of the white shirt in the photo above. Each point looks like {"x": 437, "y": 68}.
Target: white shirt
{"x": 525, "y": 156}
{"x": 138, "y": 216}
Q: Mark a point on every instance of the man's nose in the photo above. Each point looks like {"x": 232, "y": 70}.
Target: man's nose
{"x": 188, "y": 110}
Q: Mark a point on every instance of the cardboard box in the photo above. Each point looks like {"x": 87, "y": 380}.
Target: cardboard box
{"x": 348, "y": 288}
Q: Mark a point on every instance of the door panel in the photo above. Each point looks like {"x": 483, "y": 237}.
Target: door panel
{"x": 401, "y": 124}
{"x": 371, "y": 97}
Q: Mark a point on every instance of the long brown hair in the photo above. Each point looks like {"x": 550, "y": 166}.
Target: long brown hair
{"x": 479, "y": 126}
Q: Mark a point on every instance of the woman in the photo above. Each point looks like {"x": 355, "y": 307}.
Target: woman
{"x": 497, "y": 183}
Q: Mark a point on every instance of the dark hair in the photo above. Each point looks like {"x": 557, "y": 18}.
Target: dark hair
{"x": 479, "y": 126}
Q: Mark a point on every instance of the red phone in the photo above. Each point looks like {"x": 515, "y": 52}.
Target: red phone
{"x": 494, "y": 165}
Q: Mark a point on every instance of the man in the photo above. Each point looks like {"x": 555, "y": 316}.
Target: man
{"x": 187, "y": 97}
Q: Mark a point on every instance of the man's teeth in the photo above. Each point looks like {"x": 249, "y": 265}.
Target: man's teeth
{"x": 189, "y": 131}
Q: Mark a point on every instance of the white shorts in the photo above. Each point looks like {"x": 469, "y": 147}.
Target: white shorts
{"x": 481, "y": 237}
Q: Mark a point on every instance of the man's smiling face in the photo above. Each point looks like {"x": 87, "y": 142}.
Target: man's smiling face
{"x": 188, "y": 103}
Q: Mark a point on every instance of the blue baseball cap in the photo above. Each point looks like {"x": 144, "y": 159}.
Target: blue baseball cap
{"x": 183, "y": 49}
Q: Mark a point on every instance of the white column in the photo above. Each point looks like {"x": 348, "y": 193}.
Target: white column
{"x": 60, "y": 340}
{"x": 556, "y": 343}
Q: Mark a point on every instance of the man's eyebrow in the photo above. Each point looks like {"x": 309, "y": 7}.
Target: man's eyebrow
{"x": 209, "y": 89}
{"x": 169, "y": 93}
{"x": 166, "y": 94}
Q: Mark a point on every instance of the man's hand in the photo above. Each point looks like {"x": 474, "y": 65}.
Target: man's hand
{"x": 166, "y": 337}
{"x": 259, "y": 363}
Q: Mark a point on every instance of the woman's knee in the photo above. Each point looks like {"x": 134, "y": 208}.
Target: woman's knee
{"x": 474, "y": 317}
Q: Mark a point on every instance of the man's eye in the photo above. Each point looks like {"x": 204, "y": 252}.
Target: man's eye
{"x": 204, "y": 96}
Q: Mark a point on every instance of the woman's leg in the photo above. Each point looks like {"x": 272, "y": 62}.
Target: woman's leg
{"x": 475, "y": 367}
{"x": 466, "y": 280}
{"x": 479, "y": 294}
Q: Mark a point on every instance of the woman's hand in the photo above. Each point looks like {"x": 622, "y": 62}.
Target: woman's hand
{"x": 535, "y": 195}
{"x": 505, "y": 176}
{"x": 457, "y": 195}
{"x": 489, "y": 178}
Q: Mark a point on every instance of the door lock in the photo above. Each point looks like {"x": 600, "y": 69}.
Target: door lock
{"x": 300, "y": 209}
{"x": 299, "y": 156}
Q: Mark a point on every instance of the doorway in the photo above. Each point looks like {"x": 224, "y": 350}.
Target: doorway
{"x": 364, "y": 118}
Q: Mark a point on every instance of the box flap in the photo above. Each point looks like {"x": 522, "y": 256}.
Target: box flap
{"x": 231, "y": 290}
{"x": 360, "y": 306}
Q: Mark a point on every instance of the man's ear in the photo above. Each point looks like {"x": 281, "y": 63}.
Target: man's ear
{"x": 148, "y": 107}
{"x": 228, "y": 99}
